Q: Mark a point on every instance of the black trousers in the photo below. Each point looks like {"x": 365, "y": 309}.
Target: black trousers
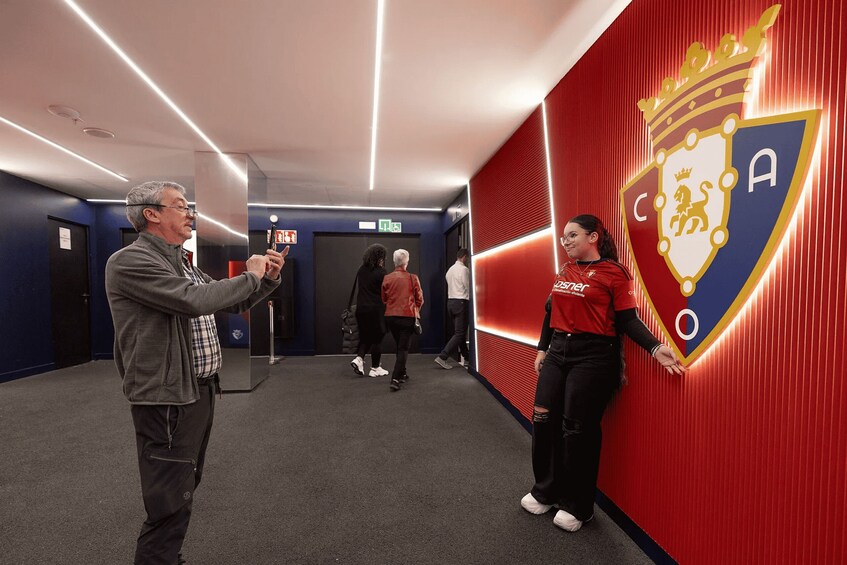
{"x": 458, "y": 310}
{"x": 578, "y": 378}
{"x": 171, "y": 443}
{"x": 401, "y": 328}
{"x": 371, "y": 331}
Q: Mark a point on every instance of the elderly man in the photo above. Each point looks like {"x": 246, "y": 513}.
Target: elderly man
{"x": 168, "y": 355}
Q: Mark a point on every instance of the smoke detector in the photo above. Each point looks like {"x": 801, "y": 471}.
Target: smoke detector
{"x": 63, "y": 112}
{"x": 98, "y": 132}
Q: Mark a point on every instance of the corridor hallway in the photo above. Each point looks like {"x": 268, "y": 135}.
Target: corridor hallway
{"x": 315, "y": 466}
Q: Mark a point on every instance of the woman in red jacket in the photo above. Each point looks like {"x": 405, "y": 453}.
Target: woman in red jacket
{"x": 403, "y": 297}
{"x": 579, "y": 369}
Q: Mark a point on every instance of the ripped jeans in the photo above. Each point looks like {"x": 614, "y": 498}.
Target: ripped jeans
{"x": 580, "y": 374}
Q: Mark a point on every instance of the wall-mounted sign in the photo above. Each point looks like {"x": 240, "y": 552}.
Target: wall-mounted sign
{"x": 386, "y": 225}
{"x": 64, "y": 238}
{"x": 287, "y": 237}
{"x": 367, "y": 225}
{"x": 704, "y": 219}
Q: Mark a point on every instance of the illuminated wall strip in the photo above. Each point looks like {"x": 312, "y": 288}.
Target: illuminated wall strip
{"x": 154, "y": 87}
{"x": 550, "y": 188}
{"x": 473, "y": 276}
{"x": 60, "y": 148}
{"x": 508, "y": 335}
{"x": 515, "y": 243}
{"x": 380, "y": 11}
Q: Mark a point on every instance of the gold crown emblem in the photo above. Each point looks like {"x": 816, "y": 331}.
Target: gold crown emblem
{"x": 704, "y": 93}
{"x": 683, "y": 174}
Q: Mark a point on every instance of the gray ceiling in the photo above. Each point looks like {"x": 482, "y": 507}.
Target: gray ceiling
{"x": 288, "y": 82}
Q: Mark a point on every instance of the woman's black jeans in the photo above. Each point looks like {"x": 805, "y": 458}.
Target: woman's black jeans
{"x": 580, "y": 374}
{"x": 401, "y": 328}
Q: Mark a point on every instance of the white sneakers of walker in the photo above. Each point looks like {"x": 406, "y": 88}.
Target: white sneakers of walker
{"x": 377, "y": 372}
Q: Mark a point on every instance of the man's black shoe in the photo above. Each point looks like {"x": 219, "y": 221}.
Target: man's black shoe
{"x": 395, "y": 385}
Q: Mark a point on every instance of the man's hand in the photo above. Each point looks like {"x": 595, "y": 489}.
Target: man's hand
{"x": 276, "y": 260}
{"x": 257, "y": 264}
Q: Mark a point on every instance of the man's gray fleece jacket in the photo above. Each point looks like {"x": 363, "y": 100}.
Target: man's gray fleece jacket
{"x": 152, "y": 302}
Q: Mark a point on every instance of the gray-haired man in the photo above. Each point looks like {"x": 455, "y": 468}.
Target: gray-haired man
{"x": 168, "y": 355}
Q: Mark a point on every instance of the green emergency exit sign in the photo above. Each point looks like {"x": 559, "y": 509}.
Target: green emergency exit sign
{"x": 386, "y": 225}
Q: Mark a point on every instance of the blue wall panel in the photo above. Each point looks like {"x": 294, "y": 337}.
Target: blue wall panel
{"x": 26, "y": 337}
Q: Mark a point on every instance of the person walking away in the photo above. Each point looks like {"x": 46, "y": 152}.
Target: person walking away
{"x": 458, "y": 300}
{"x": 370, "y": 311}
{"x": 403, "y": 297}
{"x": 168, "y": 355}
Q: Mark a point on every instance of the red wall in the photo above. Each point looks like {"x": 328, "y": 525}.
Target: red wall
{"x": 745, "y": 458}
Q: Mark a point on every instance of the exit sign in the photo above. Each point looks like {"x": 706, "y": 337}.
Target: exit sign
{"x": 386, "y": 225}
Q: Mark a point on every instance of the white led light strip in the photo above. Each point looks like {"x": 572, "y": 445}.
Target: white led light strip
{"x": 545, "y": 232}
{"x": 550, "y": 189}
{"x": 473, "y": 277}
{"x": 330, "y": 207}
{"x": 380, "y": 11}
{"x": 64, "y": 149}
{"x": 154, "y": 87}
{"x": 508, "y": 335}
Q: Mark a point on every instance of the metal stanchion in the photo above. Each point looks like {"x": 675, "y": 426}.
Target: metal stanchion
{"x": 272, "y": 360}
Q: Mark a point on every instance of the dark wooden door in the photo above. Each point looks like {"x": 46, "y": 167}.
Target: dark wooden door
{"x": 69, "y": 293}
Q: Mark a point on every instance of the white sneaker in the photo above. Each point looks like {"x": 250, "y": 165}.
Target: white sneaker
{"x": 532, "y": 506}
{"x": 377, "y": 372}
{"x": 358, "y": 366}
{"x": 567, "y": 521}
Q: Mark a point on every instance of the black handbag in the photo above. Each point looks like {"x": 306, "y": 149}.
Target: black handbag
{"x": 349, "y": 325}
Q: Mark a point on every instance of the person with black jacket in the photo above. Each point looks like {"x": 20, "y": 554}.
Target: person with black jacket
{"x": 370, "y": 311}
{"x": 579, "y": 369}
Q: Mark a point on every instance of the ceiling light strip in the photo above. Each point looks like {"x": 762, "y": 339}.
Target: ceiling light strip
{"x": 331, "y": 207}
{"x": 153, "y": 86}
{"x": 295, "y": 206}
{"x": 60, "y": 148}
{"x": 550, "y": 188}
{"x": 380, "y": 11}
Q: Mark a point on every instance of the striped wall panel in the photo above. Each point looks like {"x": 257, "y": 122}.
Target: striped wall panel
{"x": 520, "y": 276}
{"x": 509, "y": 367}
{"x": 510, "y": 195}
{"x": 745, "y": 458}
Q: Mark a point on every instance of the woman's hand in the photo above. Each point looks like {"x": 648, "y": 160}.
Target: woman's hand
{"x": 539, "y": 359}
{"x": 667, "y": 358}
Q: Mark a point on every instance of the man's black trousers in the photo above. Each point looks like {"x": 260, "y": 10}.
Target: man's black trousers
{"x": 171, "y": 443}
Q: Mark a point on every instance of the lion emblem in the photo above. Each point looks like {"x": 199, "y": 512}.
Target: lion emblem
{"x": 690, "y": 213}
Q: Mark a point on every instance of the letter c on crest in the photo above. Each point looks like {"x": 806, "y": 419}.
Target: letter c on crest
{"x": 635, "y": 208}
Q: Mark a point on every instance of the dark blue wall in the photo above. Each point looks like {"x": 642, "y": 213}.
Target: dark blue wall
{"x": 457, "y": 210}
{"x": 307, "y": 222}
{"x": 26, "y": 340}
{"x": 25, "y": 330}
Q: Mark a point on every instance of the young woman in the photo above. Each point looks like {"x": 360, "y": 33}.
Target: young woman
{"x": 370, "y": 310}
{"x": 579, "y": 369}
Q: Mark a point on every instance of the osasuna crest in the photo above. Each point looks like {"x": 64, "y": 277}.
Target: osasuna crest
{"x": 705, "y": 218}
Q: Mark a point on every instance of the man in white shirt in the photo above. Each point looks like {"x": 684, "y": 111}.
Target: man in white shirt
{"x": 458, "y": 298}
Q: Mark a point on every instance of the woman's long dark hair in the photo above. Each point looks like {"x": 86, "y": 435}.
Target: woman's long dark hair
{"x": 373, "y": 255}
{"x": 605, "y": 244}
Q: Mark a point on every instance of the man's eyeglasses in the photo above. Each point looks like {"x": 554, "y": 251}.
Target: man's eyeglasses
{"x": 190, "y": 212}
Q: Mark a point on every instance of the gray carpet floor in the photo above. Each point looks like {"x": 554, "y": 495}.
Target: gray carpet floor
{"x": 314, "y": 466}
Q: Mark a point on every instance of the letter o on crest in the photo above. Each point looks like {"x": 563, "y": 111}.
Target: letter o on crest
{"x": 690, "y": 335}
